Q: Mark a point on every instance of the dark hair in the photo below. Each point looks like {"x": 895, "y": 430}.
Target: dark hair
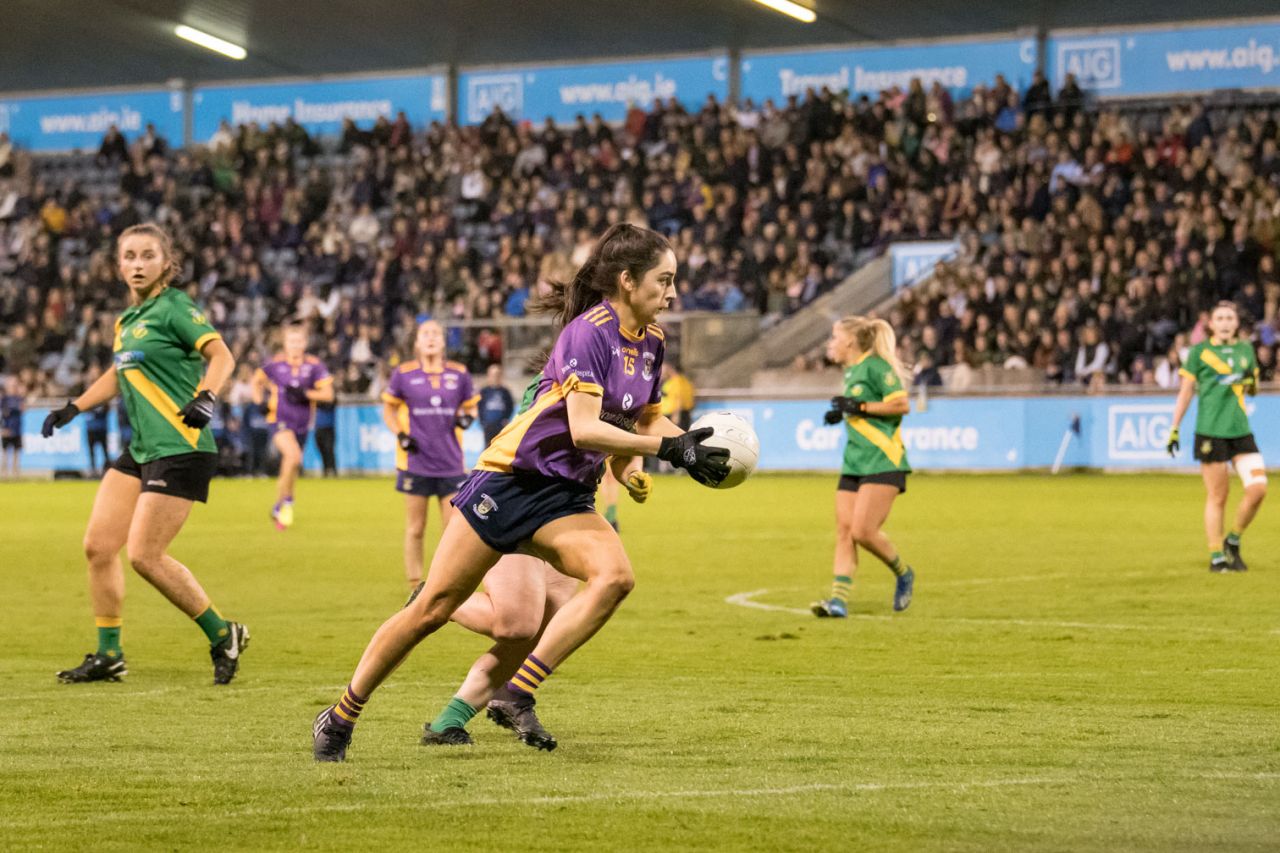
{"x": 623, "y": 248}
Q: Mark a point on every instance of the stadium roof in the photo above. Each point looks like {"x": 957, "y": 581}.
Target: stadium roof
{"x": 97, "y": 43}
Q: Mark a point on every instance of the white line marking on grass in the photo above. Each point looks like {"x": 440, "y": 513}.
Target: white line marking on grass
{"x": 35, "y": 821}
{"x": 746, "y": 599}
{"x": 552, "y": 800}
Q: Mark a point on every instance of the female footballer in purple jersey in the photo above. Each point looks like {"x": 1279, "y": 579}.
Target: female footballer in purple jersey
{"x": 534, "y": 488}
{"x": 291, "y": 384}
{"x": 427, "y": 404}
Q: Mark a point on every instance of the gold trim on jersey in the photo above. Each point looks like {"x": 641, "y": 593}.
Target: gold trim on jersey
{"x": 207, "y": 337}
{"x": 893, "y": 395}
{"x": 893, "y": 448}
{"x": 501, "y": 452}
{"x": 161, "y": 402}
{"x": 402, "y": 418}
{"x": 1211, "y": 358}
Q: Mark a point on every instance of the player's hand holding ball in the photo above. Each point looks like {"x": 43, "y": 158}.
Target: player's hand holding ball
{"x": 464, "y": 421}
{"x": 1173, "y": 445}
{"x": 639, "y": 486}
{"x": 705, "y": 464}
{"x": 59, "y": 418}
{"x": 736, "y": 438}
{"x": 406, "y": 442}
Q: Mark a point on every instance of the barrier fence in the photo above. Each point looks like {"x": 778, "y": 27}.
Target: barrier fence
{"x": 1125, "y": 432}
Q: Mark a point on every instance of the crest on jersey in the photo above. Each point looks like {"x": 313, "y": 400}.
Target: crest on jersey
{"x": 486, "y": 506}
{"x": 857, "y": 391}
{"x": 436, "y": 400}
{"x": 627, "y": 400}
{"x": 891, "y": 379}
{"x": 198, "y": 317}
{"x": 140, "y": 330}
{"x": 647, "y": 370}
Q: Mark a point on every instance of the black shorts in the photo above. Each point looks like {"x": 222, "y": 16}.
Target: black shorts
{"x": 850, "y": 483}
{"x": 186, "y": 475}
{"x": 1210, "y": 449}
{"x": 428, "y": 487}
{"x": 11, "y": 442}
{"x": 507, "y": 509}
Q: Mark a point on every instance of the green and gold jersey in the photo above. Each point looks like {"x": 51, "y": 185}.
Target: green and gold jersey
{"x": 875, "y": 441}
{"x": 158, "y": 367}
{"x": 530, "y": 394}
{"x": 1219, "y": 370}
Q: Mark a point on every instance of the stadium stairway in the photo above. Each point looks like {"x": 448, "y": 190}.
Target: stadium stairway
{"x": 778, "y": 345}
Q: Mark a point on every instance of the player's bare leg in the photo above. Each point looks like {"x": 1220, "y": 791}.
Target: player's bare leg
{"x": 104, "y": 537}
{"x": 415, "y": 528}
{"x": 1253, "y": 474}
{"x": 286, "y": 443}
{"x": 844, "y": 566}
{"x": 157, "y": 520}
{"x": 509, "y": 610}
{"x": 1217, "y": 485}
{"x": 871, "y": 511}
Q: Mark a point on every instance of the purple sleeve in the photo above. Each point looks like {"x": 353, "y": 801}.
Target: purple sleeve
{"x": 320, "y": 375}
{"x": 580, "y": 360}
{"x": 394, "y": 393}
{"x": 468, "y": 390}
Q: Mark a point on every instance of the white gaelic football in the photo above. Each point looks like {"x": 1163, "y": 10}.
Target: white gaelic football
{"x": 735, "y": 435}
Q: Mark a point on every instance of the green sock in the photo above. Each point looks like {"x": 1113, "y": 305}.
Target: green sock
{"x": 1233, "y": 538}
{"x": 109, "y": 636}
{"x": 611, "y": 513}
{"x": 1217, "y": 557}
{"x": 898, "y": 567}
{"x": 841, "y": 586}
{"x": 214, "y": 626}
{"x": 455, "y": 715}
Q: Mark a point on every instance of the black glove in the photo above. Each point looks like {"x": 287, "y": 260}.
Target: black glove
{"x": 407, "y": 444}
{"x": 197, "y": 413}
{"x": 1250, "y": 385}
{"x": 463, "y": 420}
{"x": 1173, "y": 445}
{"x": 59, "y": 418}
{"x": 296, "y": 395}
{"x": 848, "y": 406}
{"x": 833, "y": 417}
{"x": 707, "y": 465}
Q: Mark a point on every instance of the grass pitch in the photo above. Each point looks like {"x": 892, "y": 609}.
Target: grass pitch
{"x": 1069, "y": 677}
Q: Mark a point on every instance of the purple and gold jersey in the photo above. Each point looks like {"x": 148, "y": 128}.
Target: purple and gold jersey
{"x": 594, "y": 355}
{"x": 308, "y": 374}
{"x": 429, "y": 401}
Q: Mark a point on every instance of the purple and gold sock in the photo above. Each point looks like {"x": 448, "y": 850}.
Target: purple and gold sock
{"x": 529, "y": 677}
{"x": 348, "y": 709}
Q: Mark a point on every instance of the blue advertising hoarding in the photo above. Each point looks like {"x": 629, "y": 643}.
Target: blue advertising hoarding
{"x": 866, "y": 70}
{"x": 949, "y": 433}
{"x": 1156, "y": 62}
{"x": 70, "y": 122}
{"x": 911, "y": 262}
{"x": 562, "y": 92}
{"x": 320, "y": 107}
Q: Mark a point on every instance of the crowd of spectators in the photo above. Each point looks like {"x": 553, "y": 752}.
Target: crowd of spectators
{"x": 1093, "y": 239}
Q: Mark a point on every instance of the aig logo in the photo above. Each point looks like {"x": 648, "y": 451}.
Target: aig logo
{"x": 486, "y": 91}
{"x": 1095, "y": 62}
{"x": 1138, "y": 431}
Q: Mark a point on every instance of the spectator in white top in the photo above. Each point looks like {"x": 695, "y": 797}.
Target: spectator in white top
{"x": 364, "y": 227}
{"x": 1092, "y": 355}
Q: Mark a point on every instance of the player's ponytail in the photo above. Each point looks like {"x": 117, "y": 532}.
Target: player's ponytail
{"x": 150, "y": 229}
{"x": 623, "y": 248}
{"x": 876, "y": 336}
